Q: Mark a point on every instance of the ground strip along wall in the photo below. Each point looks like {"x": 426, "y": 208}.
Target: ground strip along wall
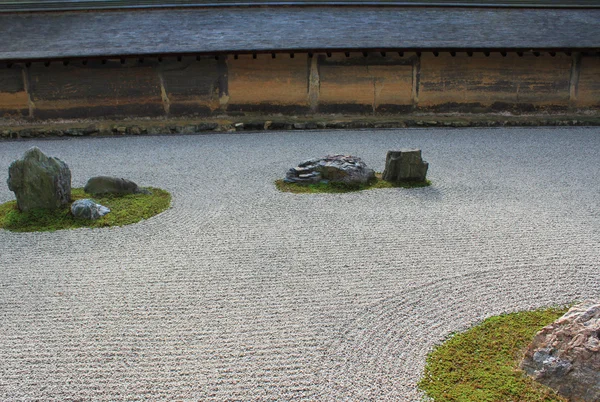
{"x": 302, "y": 83}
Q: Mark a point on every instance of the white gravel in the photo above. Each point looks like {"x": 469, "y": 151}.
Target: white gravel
{"x": 240, "y": 292}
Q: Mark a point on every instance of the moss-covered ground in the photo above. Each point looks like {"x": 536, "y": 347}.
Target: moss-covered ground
{"x": 481, "y": 364}
{"x": 125, "y": 210}
{"x": 378, "y": 182}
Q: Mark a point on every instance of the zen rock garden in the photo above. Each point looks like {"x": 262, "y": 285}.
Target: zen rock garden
{"x": 402, "y": 166}
{"x": 565, "y": 355}
{"x": 42, "y": 182}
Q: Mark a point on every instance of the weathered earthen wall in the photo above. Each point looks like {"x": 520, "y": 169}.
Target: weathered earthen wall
{"x": 588, "y": 86}
{"x": 13, "y": 97}
{"x": 366, "y": 83}
{"x": 494, "y": 82}
{"x": 94, "y": 90}
{"x": 267, "y": 84}
{"x": 340, "y": 82}
{"x": 190, "y": 86}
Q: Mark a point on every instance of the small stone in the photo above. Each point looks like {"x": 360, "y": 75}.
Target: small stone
{"x": 206, "y": 126}
{"x": 135, "y": 130}
{"x": 90, "y": 130}
{"x": 39, "y": 181}
{"x": 74, "y": 132}
{"x": 190, "y": 129}
{"x": 404, "y": 166}
{"x": 88, "y": 209}
{"x": 111, "y": 185}
{"x": 154, "y": 130}
{"x": 121, "y": 130}
{"x": 565, "y": 355}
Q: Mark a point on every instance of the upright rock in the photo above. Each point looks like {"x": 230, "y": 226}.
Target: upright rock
{"x": 100, "y": 185}
{"x": 39, "y": 181}
{"x": 332, "y": 168}
{"x": 405, "y": 165}
{"x": 565, "y": 355}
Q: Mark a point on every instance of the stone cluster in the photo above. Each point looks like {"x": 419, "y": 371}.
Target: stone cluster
{"x": 42, "y": 182}
{"x": 331, "y": 169}
{"x": 565, "y": 355}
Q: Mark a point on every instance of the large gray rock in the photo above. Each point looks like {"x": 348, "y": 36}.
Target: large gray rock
{"x": 405, "y": 165}
{"x": 88, "y": 209}
{"x": 332, "y": 168}
{"x": 565, "y": 355}
{"x": 39, "y": 181}
{"x": 100, "y": 185}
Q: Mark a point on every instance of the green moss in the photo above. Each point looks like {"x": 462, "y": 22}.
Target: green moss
{"x": 125, "y": 210}
{"x": 481, "y": 364}
{"x": 378, "y": 182}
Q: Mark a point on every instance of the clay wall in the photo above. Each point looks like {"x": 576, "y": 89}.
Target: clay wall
{"x": 367, "y": 83}
{"x": 190, "y": 86}
{"x": 587, "y": 93}
{"x": 354, "y": 82}
{"x": 267, "y": 84}
{"x": 14, "y": 101}
{"x": 495, "y": 82}
{"x": 95, "y": 89}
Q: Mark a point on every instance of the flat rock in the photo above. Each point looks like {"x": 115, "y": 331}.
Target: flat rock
{"x": 565, "y": 355}
{"x": 88, "y": 209}
{"x": 405, "y": 165}
{"x": 39, "y": 181}
{"x": 111, "y": 185}
{"x": 332, "y": 168}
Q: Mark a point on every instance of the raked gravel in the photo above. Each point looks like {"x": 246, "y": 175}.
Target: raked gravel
{"x": 240, "y": 292}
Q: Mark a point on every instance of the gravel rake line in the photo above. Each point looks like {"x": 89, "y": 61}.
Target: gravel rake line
{"x": 389, "y": 340}
{"x": 240, "y": 292}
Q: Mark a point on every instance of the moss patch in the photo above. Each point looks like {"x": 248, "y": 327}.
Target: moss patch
{"x": 481, "y": 364}
{"x": 378, "y": 182}
{"x": 125, "y": 210}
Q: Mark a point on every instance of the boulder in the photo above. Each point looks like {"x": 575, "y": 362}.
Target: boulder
{"x": 88, "y": 209}
{"x": 332, "y": 168}
{"x": 100, "y": 185}
{"x": 405, "y": 165}
{"x": 565, "y": 355}
{"x": 39, "y": 181}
